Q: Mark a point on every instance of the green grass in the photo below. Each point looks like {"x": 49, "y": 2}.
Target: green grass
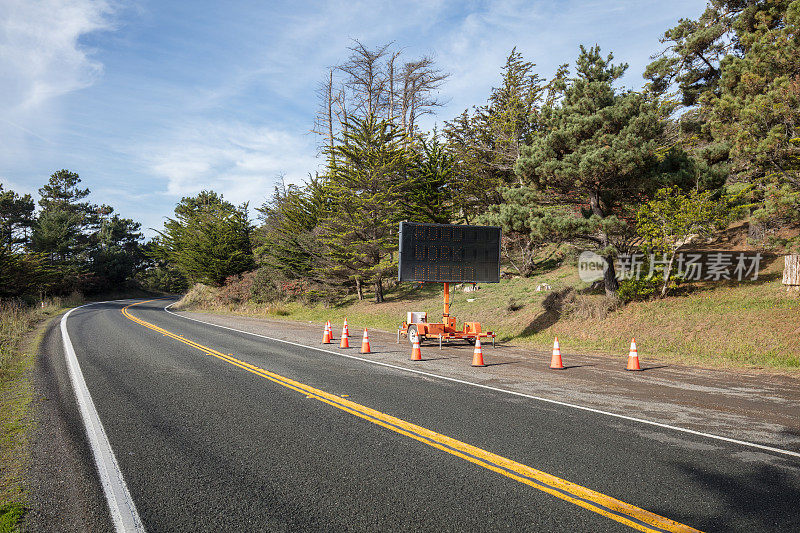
{"x": 17, "y": 357}
{"x": 11, "y": 515}
{"x": 735, "y": 325}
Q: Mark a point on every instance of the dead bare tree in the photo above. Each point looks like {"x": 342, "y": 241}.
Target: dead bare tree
{"x": 365, "y": 77}
{"x": 391, "y": 76}
{"x": 421, "y": 81}
{"x": 372, "y": 83}
{"x": 324, "y": 119}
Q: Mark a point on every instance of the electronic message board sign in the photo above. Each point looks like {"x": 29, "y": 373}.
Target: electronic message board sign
{"x": 449, "y": 253}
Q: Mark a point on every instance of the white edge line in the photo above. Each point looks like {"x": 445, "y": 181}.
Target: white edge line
{"x": 497, "y": 389}
{"x": 120, "y": 503}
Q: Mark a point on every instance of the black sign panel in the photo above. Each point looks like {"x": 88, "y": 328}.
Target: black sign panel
{"x": 449, "y": 253}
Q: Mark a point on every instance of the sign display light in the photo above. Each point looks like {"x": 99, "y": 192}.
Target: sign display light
{"x": 449, "y": 253}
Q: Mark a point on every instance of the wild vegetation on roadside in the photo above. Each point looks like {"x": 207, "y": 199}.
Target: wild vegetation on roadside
{"x": 17, "y": 357}
{"x": 749, "y": 324}
{"x": 571, "y": 162}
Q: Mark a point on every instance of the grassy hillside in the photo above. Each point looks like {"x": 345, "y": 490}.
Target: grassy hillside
{"x": 748, "y": 324}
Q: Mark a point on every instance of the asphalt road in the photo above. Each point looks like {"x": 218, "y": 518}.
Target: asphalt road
{"x": 206, "y": 443}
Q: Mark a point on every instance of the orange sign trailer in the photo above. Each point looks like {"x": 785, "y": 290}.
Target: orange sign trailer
{"x": 446, "y": 253}
{"x": 417, "y": 325}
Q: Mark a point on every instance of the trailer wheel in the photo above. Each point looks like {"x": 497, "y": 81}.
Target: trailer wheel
{"x": 412, "y": 332}
{"x": 471, "y": 342}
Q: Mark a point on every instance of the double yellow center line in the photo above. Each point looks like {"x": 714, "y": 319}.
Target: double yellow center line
{"x": 594, "y": 501}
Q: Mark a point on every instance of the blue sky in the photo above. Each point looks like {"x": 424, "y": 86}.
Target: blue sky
{"x": 150, "y": 101}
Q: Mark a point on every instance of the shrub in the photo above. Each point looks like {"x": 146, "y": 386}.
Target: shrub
{"x": 635, "y": 290}
{"x": 236, "y": 289}
{"x": 74, "y": 299}
{"x": 11, "y": 515}
{"x": 198, "y": 296}
{"x": 264, "y": 289}
{"x": 514, "y": 305}
{"x": 16, "y": 319}
{"x": 588, "y": 306}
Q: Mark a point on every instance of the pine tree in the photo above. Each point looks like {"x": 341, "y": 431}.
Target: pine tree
{"x": 20, "y": 271}
{"x": 598, "y": 154}
{"x": 512, "y": 112}
{"x": 63, "y": 226}
{"x": 739, "y": 65}
{"x": 58, "y": 233}
{"x": 474, "y": 182}
{"x": 286, "y": 238}
{"x": 209, "y": 238}
{"x": 430, "y": 186}
{"x": 486, "y": 143}
{"x": 61, "y": 191}
{"x": 116, "y": 254}
{"x": 71, "y": 245}
{"x": 696, "y": 49}
{"x": 518, "y": 217}
{"x": 158, "y": 273}
{"x": 366, "y": 189}
{"x": 757, "y": 107}
{"x": 16, "y": 221}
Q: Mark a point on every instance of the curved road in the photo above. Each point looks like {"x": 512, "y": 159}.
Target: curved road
{"x": 218, "y": 430}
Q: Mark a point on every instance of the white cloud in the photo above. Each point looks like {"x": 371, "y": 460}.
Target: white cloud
{"x": 41, "y": 59}
{"x": 241, "y": 161}
{"x": 40, "y": 56}
{"x": 305, "y": 40}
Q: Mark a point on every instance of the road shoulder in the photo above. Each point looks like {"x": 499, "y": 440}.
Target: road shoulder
{"x": 64, "y": 492}
{"x": 745, "y": 406}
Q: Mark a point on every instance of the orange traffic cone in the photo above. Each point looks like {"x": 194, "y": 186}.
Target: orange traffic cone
{"x": 365, "y": 342}
{"x": 345, "y": 342}
{"x": 633, "y": 357}
{"x": 345, "y": 328}
{"x": 416, "y": 353}
{"x": 477, "y": 354}
{"x": 328, "y": 335}
{"x": 555, "y": 361}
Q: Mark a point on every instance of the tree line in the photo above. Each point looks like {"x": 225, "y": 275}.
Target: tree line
{"x": 712, "y": 136}
{"x": 576, "y": 159}
{"x": 68, "y": 245}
